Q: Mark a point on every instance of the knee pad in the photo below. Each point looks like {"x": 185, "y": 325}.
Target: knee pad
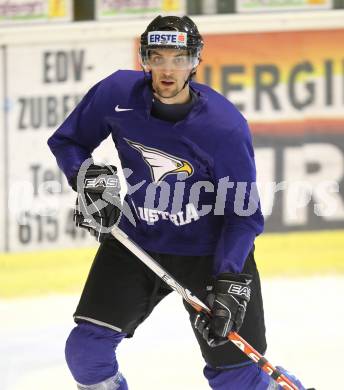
{"x": 90, "y": 353}
{"x": 248, "y": 376}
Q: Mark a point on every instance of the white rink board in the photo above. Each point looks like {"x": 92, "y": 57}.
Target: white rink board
{"x": 53, "y": 79}
{"x": 163, "y": 353}
{"x": 3, "y": 159}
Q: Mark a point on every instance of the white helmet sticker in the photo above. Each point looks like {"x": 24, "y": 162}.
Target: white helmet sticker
{"x": 167, "y": 38}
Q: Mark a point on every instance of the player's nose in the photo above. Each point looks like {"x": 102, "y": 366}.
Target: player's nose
{"x": 167, "y": 70}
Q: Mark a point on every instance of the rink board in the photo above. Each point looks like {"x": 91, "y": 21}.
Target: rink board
{"x": 65, "y": 271}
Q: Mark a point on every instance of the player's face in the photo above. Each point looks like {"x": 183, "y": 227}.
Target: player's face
{"x": 170, "y": 69}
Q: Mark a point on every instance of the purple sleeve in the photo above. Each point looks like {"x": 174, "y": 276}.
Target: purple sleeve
{"x": 243, "y": 219}
{"x": 84, "y": 129}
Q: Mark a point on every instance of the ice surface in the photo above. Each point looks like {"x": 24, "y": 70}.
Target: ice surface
{"x": 304, "y": 317}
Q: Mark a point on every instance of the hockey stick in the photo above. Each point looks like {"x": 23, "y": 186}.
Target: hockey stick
{"x": 198, "y": 305}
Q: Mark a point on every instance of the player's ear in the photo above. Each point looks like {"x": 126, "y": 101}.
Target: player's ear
{"x": 194, "y": 68}
{"x": 144, "y": 66}
{"x": 147, "y": 68}
{"x": 198, "y": 60}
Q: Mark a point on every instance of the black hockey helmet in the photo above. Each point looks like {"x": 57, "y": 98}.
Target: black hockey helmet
{"x": 189, "y": 37}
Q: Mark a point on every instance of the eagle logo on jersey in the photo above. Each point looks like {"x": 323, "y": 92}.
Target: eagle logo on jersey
{"x": 160, "y": 163}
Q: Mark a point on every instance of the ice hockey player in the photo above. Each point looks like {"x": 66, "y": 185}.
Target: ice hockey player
{"x": 191, "y": 204}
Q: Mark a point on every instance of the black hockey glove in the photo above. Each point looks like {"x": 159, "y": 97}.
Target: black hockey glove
{"x": 98, "y": 203}
{"x": 227, "y": 298}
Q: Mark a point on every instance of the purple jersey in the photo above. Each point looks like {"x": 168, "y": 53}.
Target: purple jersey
{"x": 176, "y": 169}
